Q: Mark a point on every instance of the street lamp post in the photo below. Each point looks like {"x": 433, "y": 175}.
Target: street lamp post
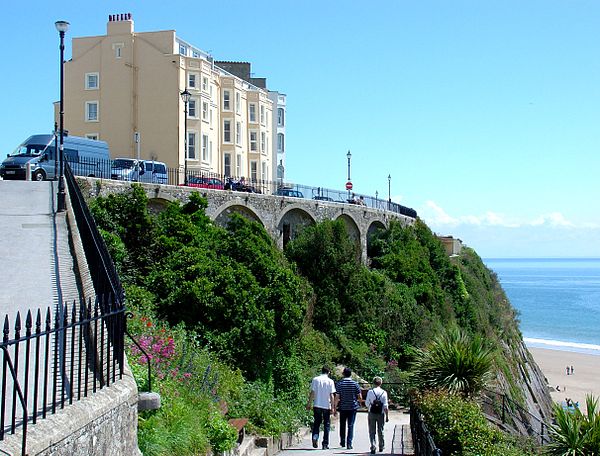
{"x": 389, "y": 191}
{"x": 349, "y": 183}
{"x": 62, "y": 27}
{"x": 185, "y": 96}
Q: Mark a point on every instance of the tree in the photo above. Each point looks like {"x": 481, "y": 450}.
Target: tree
{"x": 454, "y": 362}
{"x": 575, "y": 433}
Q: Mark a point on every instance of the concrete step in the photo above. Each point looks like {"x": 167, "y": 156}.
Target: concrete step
{"x": 402, "y": 443}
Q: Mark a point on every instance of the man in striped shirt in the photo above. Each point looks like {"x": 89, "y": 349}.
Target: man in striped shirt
{"x": 348, "y": 398}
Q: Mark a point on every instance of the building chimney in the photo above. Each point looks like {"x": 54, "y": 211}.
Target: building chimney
{"x": 119, "y": 24}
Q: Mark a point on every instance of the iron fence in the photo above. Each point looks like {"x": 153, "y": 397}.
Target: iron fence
{"x": 57, "y": 357}
{"x": 158, "y": 173}
{"x": 499, "y": 404}
{"x": 422, "y": 440}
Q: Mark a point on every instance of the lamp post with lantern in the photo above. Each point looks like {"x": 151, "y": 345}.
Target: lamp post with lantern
{"x": 185, "y": 96}
{"x": 389, "y": 191}
{"x": 62, "y": 27}
{"x": 349, "y": 182}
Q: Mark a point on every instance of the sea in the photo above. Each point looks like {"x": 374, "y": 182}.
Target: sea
{"x": 558, "y": 300}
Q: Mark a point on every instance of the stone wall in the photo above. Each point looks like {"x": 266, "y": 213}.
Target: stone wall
{"x": 281, "y": 216}
{"x": 102, "y": 424}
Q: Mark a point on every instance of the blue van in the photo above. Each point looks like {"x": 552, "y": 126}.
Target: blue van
{"x": 87, "y": 157}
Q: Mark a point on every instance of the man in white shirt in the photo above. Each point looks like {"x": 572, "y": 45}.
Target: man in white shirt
{"x": 322, "y": 399}
{"x": 377, "y": 405}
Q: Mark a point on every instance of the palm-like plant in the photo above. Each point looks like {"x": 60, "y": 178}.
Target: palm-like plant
{"x": 454, "y": 362}
{"x": 575, "y": 433}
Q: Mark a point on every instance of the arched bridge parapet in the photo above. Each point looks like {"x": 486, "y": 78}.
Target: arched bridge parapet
{"x": 273, "y": 212}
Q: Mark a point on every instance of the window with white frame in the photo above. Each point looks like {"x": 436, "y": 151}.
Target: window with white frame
{"x": 280, "y": 117}
{"x": 226, "y": 100}
{"x": 205, "y": 148}
{"x": 192, "y": 112}
{"x": 192, "y": 80}
{"x": 92, "y": 81}
{"x": 262, "y": 114}
{"x": 191, "y": 145}
{"x": 238, "y": 102}
{"x": 238, "y": 133}
{"x": 238, "y": 165}
{"x": 182, "y": 49}
{"x": 227, "y": 131}
{"x": 253, "y": 170}
{"x": 91, "y": 111}
{"x": 252, "y": 112}
{"x": 263, "y": 172}
{"x": 254, "y": 141}
{"x": 227, "y": 165}
{"x": 263, "y": 140}
{"x": 205, "y": 111}
{"x": 204, "y": 84}
{"x": 93, "y": 136}
{"x": 280, "y": 142}
{"x": 118, "y": 48}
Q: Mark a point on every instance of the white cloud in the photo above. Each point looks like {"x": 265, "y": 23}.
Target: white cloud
{"x": 553, "y": 219}
{"x": 436, "y": 216}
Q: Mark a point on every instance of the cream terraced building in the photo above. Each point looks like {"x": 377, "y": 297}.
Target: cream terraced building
{"x": 124, "y": 82}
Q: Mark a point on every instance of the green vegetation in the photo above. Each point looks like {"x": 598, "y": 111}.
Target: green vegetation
{"x": 576, "y": 433}
{"x": 459, "y": 428}
{"x": 454, "y": 362}
{"x": 236, "y": 328}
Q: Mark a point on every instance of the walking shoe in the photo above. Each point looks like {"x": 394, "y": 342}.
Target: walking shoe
{"x": 381, "y": 449}
{"x": 372, "y": 450}
{"x": 315, "y": 443}
{"x": 349, "y": 447}
{"x": 325, "y": 446}
{"x": 342, "y": 444}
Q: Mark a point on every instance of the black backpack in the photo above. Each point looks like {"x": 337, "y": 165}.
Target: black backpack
{"x": 376, "y": 405}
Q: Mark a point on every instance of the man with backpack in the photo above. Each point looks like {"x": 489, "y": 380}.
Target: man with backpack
{"x": 377, "y": 404}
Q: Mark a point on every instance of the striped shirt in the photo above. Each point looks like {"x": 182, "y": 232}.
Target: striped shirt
{"x": 348, "y": 392}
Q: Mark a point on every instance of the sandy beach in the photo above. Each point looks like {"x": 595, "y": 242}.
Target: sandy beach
{"x": 584, "y": 380}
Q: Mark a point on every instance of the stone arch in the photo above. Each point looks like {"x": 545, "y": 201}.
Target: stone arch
{"x": 156, "y": 205}
{"x": 352, "y": 229}
{"x": 291, "y": 222}
{"x": 223, "y": 213}
{"x": 374, "y": 227}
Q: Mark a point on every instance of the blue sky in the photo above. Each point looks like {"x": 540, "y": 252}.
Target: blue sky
{"x": 485, "y": 114}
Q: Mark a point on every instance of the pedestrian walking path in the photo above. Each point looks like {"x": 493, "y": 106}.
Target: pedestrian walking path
{"x": 361, "y": 445}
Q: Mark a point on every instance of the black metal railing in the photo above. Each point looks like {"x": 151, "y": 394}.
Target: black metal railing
{"x": 422, "y": 440}
{"x": 514, "y": 415}
{"x": 57, "y": 357}
{"x": 158, "y": 173}
{"x": 101, "y": 267}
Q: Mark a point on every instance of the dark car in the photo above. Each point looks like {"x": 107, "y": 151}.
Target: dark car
{"x": 322, "y": 198}
{"x": 289, "y": 192}
{"x": 205, "y": 182}
{"x": 239, "y": 186}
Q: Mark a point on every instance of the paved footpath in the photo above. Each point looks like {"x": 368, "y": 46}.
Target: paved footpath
{"x": 361, "y": 443}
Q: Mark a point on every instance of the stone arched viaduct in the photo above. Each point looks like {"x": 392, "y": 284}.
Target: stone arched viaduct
{"x": 283, "y": 217}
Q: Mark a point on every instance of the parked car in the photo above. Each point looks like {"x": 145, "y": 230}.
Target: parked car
{"x": 289, "y": 192}
{"x": 205, "y": 182}
{"x": 322, "y": 198}
{"x": 87, "y": 157}
{"x": 131, "y": 169}
{"x": 239, "y": 185}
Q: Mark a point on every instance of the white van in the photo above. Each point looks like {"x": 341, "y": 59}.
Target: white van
{"x": 131, "y": 169}
{"x": 87, "y": 157}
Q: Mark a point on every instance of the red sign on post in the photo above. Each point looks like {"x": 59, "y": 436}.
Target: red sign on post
{"x": 348, "y": 185}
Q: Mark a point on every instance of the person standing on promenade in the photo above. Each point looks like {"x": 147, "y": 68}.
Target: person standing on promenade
{"x": 348, "y": 394}
{"x": 377, "y": 404}
{"x": 322, "y": 399}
